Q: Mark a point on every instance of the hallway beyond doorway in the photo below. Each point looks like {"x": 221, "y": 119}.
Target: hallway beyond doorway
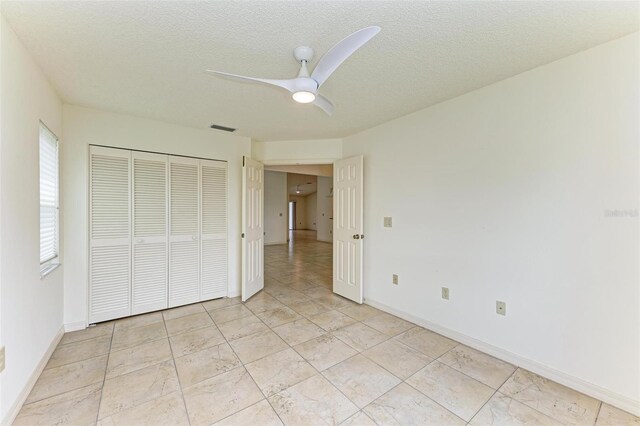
{"x": 303, "y": 260}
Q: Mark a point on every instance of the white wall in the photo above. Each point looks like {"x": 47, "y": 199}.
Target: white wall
{"x": 275, "y": 207}
{"x": 311, "y": 212}
{"x": 301, "y": 211}
{"x": 502, "y": 194}
{"x": 325, "y": 209}
{"x": 84, "y": 126}
{"x": 31, "y": 308}
{"x": 316, "y": 151}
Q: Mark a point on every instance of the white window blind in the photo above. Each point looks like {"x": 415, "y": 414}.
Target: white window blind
{"x": 48, "y": 195}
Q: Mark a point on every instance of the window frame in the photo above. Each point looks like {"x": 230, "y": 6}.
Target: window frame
{"x": 49, "y": 265}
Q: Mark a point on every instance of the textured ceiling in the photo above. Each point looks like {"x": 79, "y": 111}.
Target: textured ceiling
{"x": 147, "y": 58}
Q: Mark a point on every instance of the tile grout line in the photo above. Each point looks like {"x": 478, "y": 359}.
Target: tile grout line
{"x": 401, "y": 380}
{"x": 598, "y": 413}
{"x": 320, "y": 373}
{"x": 106, "y": 367}
{"x": 247, "y": 371}
{"x": 534, "y": 408}
{"x": 492, "y": 395}
{"x": 435, "y": 402}
{"x": 173, "y": 360}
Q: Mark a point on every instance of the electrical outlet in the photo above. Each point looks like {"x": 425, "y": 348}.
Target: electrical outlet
{"x": 1, "y": 359}
{"x": 445, "y": 293}
{"x": 395, "y": 279}
{"x": 387, "y": 222}
{"x": 501, "y": 308}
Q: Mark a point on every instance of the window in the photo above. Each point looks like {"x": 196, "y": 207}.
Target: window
{"x": 48, "y": 201}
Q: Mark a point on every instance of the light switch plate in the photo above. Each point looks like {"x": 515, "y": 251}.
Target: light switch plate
{"x": 387, "y": 222}
{"x": 501, "y": 308}
{"x": 395, "y": 279}
{"x": 445, "y": 293}
{"x": 1, "y": 359}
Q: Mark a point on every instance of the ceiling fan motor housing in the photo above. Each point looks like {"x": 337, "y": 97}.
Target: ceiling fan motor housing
{"x": 303, "y": 53}
{"x": 306, "y": 84}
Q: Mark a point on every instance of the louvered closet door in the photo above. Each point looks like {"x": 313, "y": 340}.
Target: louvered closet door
{"x": 110, "y": 234}
{"x": 150, "y": 240}
{"x": 184, "y": 231}
{"x": 213, "y": 265}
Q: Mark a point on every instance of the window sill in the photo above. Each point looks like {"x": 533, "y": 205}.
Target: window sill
{"x": 47, "y": 269}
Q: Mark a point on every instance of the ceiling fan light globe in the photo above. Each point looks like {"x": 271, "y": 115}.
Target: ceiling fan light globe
{"x": 304, "y": 97}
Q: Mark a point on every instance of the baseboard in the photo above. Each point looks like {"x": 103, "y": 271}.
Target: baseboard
{"x": 593, "y": 390}
{"x": 234, "y": 294}
{"x": 75, "y": 326}
{"x": 22, "y": 396}
{"x": 325, "y": 241}
{"x": 276, "y": 243}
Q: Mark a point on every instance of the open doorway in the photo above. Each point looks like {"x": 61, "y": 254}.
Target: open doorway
{"x": 304, "y": 255}
{"x": 286, "y": 263}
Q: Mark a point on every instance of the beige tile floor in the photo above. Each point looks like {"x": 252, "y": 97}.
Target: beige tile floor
{"x": 294, "y": 354}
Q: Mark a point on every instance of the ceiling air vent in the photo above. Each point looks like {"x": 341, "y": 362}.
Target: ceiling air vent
{"x": 223, "y": 128}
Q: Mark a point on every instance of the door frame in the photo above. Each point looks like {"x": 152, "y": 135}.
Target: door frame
{"x": 307, "y": 162}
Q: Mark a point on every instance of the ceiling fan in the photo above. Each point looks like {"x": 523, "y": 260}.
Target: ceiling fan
{"x": 298, "y": 190}
{"x": 304, "y": 87}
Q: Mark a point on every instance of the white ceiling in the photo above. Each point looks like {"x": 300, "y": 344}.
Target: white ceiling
{"x": 147, "y": 58}
{"x": 307, "y": 184}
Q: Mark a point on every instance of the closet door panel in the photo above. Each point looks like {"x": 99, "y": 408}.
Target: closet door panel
{"x": 213, "y": 267}
{"x": 184, "y": 231}
{"x": 110, "y": 234}
{"x": 150, "y": 242}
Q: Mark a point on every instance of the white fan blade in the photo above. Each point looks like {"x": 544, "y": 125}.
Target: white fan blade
{"x": 324, "y": 104}
{"x": 285, "y": 84}
{"x": 340, "y": 52}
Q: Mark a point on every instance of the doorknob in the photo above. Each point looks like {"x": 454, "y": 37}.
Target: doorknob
{"x": 356, "y": 236}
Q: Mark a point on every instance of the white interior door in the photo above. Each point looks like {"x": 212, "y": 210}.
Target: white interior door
{"x": 110, "y": 234}
{"x": 252, "y": 227}
{"x": 213, "y": 237}
{"x": 149, "y": 263}
{"x": 348, "y": 231}
{"x": 184, "y": 231}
